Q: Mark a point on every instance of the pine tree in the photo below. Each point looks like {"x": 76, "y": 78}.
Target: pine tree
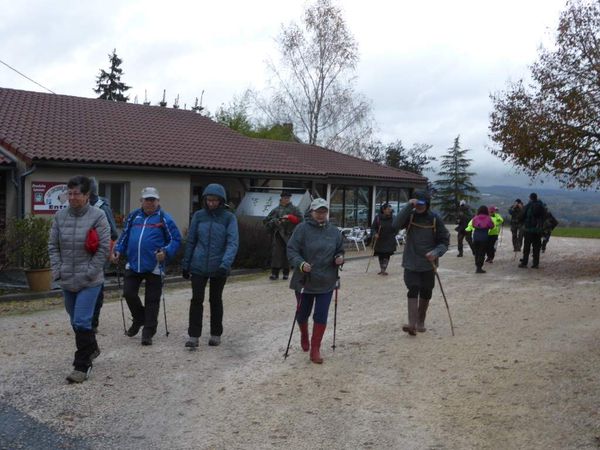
{"x": 109, "y": 84}
{"x": 454, "y": 184}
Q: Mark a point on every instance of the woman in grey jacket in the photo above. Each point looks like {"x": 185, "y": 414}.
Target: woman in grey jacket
{"x": 315, "y": 251}
{"x": 77, "y": 256}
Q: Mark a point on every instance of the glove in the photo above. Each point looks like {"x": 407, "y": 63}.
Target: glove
{"x": 185, "y": 274}
{"x": 221, "y": 272}
{"x": 293, "y": 219}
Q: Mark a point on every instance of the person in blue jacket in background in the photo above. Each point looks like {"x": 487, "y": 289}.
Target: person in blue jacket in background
{"x": 210, "y": 250}
{"x": 149, "y": 239}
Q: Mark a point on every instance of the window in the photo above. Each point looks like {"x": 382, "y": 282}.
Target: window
{"x": 117, "y": 196}
{"x": 350, "y": 206}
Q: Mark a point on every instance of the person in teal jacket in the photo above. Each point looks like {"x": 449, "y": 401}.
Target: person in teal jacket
{"x": 211, "y": 246}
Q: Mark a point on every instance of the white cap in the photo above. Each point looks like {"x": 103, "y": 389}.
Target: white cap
{"x": 150, "y": 192}
{"x": 462, "y": 203}
{"x": 319, "y": 203}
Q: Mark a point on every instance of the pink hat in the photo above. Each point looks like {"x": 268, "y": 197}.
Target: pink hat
{"x": 493, "y": 209}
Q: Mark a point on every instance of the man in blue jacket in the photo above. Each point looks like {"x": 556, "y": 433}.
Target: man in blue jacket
{"x": 210, "y": 249}
{"x": 150, "y": 238}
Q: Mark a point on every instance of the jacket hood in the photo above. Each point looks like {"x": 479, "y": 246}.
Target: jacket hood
{"x": 215, "y": 189}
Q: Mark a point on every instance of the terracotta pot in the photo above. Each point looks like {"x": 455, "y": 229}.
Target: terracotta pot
{"x": 39, "y": 279}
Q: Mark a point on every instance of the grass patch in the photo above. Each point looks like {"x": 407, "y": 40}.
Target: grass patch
{"x": 590, "y": 233}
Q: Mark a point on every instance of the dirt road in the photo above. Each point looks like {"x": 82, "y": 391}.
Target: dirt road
{"x": 521, "y": 372}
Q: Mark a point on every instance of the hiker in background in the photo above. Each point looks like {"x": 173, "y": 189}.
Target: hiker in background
{"x": 315, "y": 251}
{"x": 149, "y": 239}
{"x": 480, "y": 226}
{"x": 384, "y": 237}
{"x": 78, "y": 247}
{"x": 427, "y": 239}
{"x": 516, "y": 225}
{"x": 464, "y": 215}
{"x": 210, "y": 250}
{"x": 550, "y": 223}
{"x": 493, "y": 234}
{"x": 532, "y": 219}
{"x": 281, "y": 222}
{"x": 102, "y": 203}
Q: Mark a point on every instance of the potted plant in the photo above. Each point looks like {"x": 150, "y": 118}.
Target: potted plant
{"x": 27, "y": 247}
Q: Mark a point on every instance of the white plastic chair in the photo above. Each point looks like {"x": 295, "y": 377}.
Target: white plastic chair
{"x": 357, "y": 235}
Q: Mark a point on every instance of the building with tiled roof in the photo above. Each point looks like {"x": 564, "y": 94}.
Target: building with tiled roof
{"x": 46, "y": 138}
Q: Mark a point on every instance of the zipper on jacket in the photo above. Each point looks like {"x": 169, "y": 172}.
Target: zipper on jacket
{"x": 140, "y": 245}
{"x": 209, "y": 239}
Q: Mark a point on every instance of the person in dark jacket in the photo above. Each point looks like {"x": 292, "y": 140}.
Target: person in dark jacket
{"x": 315, "y": 252}
{"x": 427, "y": 239}
{"x": 464, "y": 215}
{"x": 516, "y": 224}
{"x": 480, "y": 226}
{"x": 149, "y": 239}
{"x": 102, "y": 203}
{"x": 210, "y": 249}
{"x": 281, "y": 222}
{"x": 384, "y": 237}
{"x": 78, "y": 247}
{"x": 532, "y": 219}
{"x": 550, "y": 223}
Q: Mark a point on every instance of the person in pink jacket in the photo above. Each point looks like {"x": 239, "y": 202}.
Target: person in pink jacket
{"x": 480, "y": 226}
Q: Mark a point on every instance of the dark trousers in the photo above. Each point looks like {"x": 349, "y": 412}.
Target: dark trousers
{"x": 517, "y": 237}
{"x": 490, "y": 250}
{"x": 98, "y": 307}
{"x": 215, "y": 299}
{"x": 459, "y": 240}
{"x": 419, "y": 284}
{"x": 305, "y": 306}
{"x": 143, "y": 315}
{"x": 479, "y": 247}
{"x": 279, "y": 255}
{"x": 532, "y": 241}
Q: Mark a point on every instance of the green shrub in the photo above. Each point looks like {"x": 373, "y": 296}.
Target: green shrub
{"x": 27, "y": 242}
{"x": 255, "y": 246}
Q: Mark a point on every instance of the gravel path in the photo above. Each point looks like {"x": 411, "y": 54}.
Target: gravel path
{"x": 521, "y": 372}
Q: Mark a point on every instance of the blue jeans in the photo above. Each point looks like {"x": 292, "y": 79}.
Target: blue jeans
{"x": 305, "y": 305}
{"x": 80, "y": 306}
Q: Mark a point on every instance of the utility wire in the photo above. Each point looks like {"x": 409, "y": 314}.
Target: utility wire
{"x": 23, "y": 75}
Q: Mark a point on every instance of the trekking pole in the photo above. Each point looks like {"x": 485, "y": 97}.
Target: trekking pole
{"x": 122, "y": 295}
{"x": 298, "y": 304}
{"x": 437, "y": 275}
{"x": 162, "y": 288}
{"x": 337, "y": 287}
{"x": 374, "y": 244}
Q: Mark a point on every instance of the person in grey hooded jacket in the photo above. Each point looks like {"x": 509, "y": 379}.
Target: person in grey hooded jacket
{"x": 78, "y": 247}
{"x": 315, "y": 251}
{"x": 427, "y": 239}
{"x": 210, "y": 249}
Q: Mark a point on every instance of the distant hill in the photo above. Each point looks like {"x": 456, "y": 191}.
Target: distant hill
{"x": 571, "y": 208}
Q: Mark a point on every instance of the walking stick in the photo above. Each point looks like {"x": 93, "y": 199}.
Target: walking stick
{"x": 437, "y": 275}
{"x": 298, "y": 304}
{"x": 374, "y": 244}
{"x": 162, "y": 288}
{"x": 122, "y": 295}
{"x": 337, "y": 287}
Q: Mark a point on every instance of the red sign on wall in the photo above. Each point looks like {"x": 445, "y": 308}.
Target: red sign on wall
{"x": 47, "y": 197}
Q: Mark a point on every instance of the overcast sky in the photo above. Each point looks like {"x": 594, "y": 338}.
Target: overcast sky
{"x": 428, "y": 66}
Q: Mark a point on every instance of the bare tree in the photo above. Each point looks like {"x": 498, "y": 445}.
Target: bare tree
{"x": 313, "y": 86}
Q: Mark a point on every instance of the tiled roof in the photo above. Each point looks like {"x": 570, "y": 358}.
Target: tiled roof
{"x": 4, "y": 161}
{"x": 48, "y": 127}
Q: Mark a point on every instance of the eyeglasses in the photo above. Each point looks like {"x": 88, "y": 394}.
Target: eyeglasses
{"x": 150, "y": 199}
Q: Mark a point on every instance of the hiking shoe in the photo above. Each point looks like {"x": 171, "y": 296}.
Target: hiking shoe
{"x": 77, "y": 376}
{"x": 460, "y": 255}
{"x": 523, "y": 266}
{"x": 285, "y": 276}
{"x": 410, "y": 330}
{"x": 480, "y": 270}
{"x": 133, "y": 329}
{"x": 274, "y": 277}
{"x": 192, "y": 342}
{"x": 214, "y": 341}
{"x": 535, "y": 266}
{"x": 147, "y": 340}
